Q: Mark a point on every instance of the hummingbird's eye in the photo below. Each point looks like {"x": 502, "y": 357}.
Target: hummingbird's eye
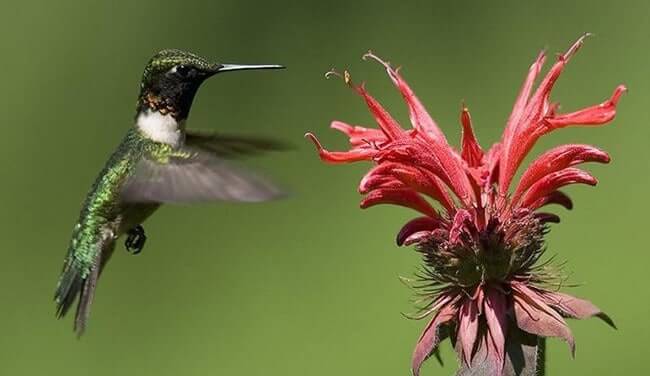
{"x": 183, "y": 71}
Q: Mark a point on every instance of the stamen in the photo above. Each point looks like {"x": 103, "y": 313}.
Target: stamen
{"x": 347, "y": 78}
{"x": 392, "y": 73}
{"x": 576, "y": 46}
{"x": 310, "y": 136}
{"x": 371, "y": 55}
{"x": 332, "y": 72}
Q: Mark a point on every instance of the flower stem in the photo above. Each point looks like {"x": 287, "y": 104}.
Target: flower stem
{"x": 541, "y": 356}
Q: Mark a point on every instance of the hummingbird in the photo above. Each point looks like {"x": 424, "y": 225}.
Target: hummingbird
{"x": 159, "y": 161}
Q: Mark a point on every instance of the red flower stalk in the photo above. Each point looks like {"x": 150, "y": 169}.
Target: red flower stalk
{"x": 481, "y": 280}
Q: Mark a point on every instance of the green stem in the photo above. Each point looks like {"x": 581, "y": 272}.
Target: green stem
{"x": 541, "y": 356}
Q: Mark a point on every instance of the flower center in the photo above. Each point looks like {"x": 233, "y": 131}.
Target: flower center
{"x": 503, "y": 250}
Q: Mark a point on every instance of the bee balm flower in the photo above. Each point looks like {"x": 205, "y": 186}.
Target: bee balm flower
{"x": 481, "y": 280}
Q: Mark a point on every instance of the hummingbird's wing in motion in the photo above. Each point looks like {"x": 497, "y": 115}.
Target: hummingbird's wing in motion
{"x": 192, "y": 174}
{"x": 233, "y": 146}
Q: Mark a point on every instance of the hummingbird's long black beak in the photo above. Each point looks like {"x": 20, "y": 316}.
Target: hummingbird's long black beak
{"x": 236, "y": 67}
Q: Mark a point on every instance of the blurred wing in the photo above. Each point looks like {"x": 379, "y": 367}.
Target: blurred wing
{"x": 231, "y": 146}
{"x": 195, "y": 175}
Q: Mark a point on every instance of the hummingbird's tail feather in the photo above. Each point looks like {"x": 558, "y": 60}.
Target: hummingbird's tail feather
{"x": 74, "y": 283}
{"x": 70, "y": 284}
{"x": 86, "y": 296}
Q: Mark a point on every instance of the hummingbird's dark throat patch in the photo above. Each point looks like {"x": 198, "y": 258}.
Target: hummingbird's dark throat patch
{"x": 159, "y": 104}
{"x": 169, "y": 96}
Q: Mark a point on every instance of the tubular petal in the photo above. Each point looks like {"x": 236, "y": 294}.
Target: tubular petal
{"x": 453, "y": 173}
{"x": 376, "y": 176}
{"x": 557, "y": 159}
{"x": 456, "y": 179}
{"x": 420, "y": 118}
{"x": 401, "y": 197}
{"x": 381, "y": 182}
{"x": 555, "y": 180}
{"x": 388, "y": 125}
{"x": 397, "y": 175}
{"x": 382, "y": 169}
{"x": 415, "y": 225}
{"x": 359, "y": 136}
{"x": 354, "y": 155}
{"x": 594, "y": 115}
{"x": 462, "y": 216}
{"x": 547, "y": 217}
{"x": 471, "y": 150}
{"x": 534, "y": 120}
{"x": 424, "y": 182}
{"x": 431, "y": 337}
{"x": 493, "y": 158}
{"x": 432, "y": 158}
{"x": 555, "y": 197}
{"x": 417, "y": 238}
{"x": 522, "y": 98}
{"x": 538, "y": 103}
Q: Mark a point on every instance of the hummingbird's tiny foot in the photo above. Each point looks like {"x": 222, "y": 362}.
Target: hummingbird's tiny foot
{"x": 135, "y": 240}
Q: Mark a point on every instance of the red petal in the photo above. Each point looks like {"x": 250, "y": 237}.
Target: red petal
{"x": 377, "y": 176}
{"x": 555, "y": 197}
{"x": 381, "y": 182}
{"x": 538, "y": 104}
{"x": 425, "y": 182}
{"x": 460, "y": 219}
{"x": 388, "y": 125}
{"x": 574, "y": 307}
{"x": 594, "y": 115}
{"x": 398, "y": 175}
{"x": 417, "y": 238}
{"x": 419, "y": 116}
{"x": 493, "y": 158}
{"x": 436, "y": 142}
{"x": 417, "y": 225}
{"x": 402, "y": 197}
{"x": 547, "y": 217}
{"x": 471, "y": 150}
{"x": 522, "y": 98}
{"x": 360, "y": 136}
{"x": 455, "y": 174}
{"x": 534, "y": 316}
{"x": 557, "y": 159}
{"x": 354, "y": 155}
{"x": 539, "y": 118}
{"x": 553, "y": 181}
{"x": 495, "y": 311}
{"x": 535, "y": 109}
{"x": 438, "y": 160}
{"x": 431, "y": 337}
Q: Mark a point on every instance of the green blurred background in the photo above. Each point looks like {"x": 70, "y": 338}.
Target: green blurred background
{"x": 306, "y": 286}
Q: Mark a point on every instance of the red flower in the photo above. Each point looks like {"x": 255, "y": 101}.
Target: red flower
{"x": 481, "y": 279}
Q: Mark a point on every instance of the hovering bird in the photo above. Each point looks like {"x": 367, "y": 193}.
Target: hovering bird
{"x": 158, "y": 162}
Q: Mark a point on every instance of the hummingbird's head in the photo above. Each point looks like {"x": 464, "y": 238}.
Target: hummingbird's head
{"x": 172, "y": 77}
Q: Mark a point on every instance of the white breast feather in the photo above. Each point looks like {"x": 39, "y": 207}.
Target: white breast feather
{"x": 159, "y": 127}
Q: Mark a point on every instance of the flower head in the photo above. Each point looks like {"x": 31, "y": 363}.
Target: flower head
{"x": 482, "y": 279}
